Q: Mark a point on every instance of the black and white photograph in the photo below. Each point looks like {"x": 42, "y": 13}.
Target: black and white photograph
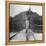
{"x": 25, "y": 22}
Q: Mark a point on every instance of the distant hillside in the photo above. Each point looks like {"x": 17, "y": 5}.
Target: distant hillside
{"x": 17, "y": 23}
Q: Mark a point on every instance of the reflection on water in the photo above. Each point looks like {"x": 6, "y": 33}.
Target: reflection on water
{"x": 22, "y": 36}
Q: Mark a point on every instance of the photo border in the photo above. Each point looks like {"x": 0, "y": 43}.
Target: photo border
{"x": 8, "y": 19}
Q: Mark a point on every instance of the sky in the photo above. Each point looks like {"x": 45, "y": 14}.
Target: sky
{"x": 16, "y": 9}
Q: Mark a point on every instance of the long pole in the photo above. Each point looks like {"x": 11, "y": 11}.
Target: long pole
{"x": 27, "y": 27}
